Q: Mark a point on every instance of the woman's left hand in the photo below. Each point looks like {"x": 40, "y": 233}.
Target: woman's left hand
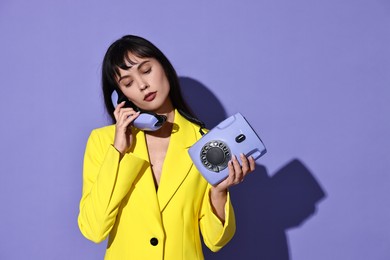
{"x": 237, "y": 172}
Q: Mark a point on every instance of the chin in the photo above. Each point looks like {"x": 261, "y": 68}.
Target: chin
{"x": 159, "y": 108}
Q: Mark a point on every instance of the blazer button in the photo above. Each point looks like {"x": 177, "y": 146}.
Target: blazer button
{"x": 154, "y": 241}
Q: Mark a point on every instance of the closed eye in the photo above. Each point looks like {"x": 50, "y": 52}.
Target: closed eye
{"x": 128, "y": 84}
{"x": 147, "y": 71}
{"x": 145, "y": 67}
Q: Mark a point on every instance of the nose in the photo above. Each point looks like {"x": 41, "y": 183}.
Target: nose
{"x": 142, "y": 84}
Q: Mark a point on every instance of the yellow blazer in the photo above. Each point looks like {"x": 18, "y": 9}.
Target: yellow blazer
{"x": 119, "y": 199}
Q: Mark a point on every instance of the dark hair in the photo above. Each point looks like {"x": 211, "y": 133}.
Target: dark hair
{"x": 115, "y": 58}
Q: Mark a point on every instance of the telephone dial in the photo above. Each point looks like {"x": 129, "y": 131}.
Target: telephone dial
{"x": 213, "y": 151}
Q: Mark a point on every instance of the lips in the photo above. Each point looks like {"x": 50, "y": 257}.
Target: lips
{"x": 150, "y": 96}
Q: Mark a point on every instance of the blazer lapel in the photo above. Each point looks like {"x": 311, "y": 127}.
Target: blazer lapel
{"x": 146, "y": 182}
{"x": 177, "y": 162}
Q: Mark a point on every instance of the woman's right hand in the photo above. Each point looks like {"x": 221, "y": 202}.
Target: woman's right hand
{"x": 123, "y": 137}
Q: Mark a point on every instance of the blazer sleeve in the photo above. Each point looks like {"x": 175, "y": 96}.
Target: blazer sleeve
{"x": 106, "y": 181}
{"x": 216, "y": 234}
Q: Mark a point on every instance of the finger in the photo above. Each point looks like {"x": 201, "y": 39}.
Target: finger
{"x": 238, "y": 174}
{"x": 124, "y": 122}
{"x": 121, "y": 104}
{"x": 126, "y": 110}
{"x": 229, "y": 181}
{"x": 124, "y": 113}
{"x": 130, "y": 118}
{"x": 232, "y": 174}
{"x": 252, "y": 163}
{"x": 244, "y": 163}
{"x": 126, "y": 118}
{"x": 118, "y": 109}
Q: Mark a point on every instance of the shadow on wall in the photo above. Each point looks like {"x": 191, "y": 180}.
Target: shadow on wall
{"x": 203, "y": 103}
{"x": 266, "y": 206}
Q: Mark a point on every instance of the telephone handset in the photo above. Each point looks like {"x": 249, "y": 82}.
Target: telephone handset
{"x": 146, "y": 121}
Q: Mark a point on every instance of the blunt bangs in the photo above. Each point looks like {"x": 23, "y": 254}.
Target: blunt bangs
{"x": 119, "y": 57}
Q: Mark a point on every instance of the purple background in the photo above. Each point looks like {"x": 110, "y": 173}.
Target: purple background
{"x": 312, "y": 77}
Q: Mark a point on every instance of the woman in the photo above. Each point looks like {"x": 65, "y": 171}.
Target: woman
{"x": 140, "y": 188}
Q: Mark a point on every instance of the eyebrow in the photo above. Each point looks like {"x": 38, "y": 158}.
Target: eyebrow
{"x": 129, "y": 67}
